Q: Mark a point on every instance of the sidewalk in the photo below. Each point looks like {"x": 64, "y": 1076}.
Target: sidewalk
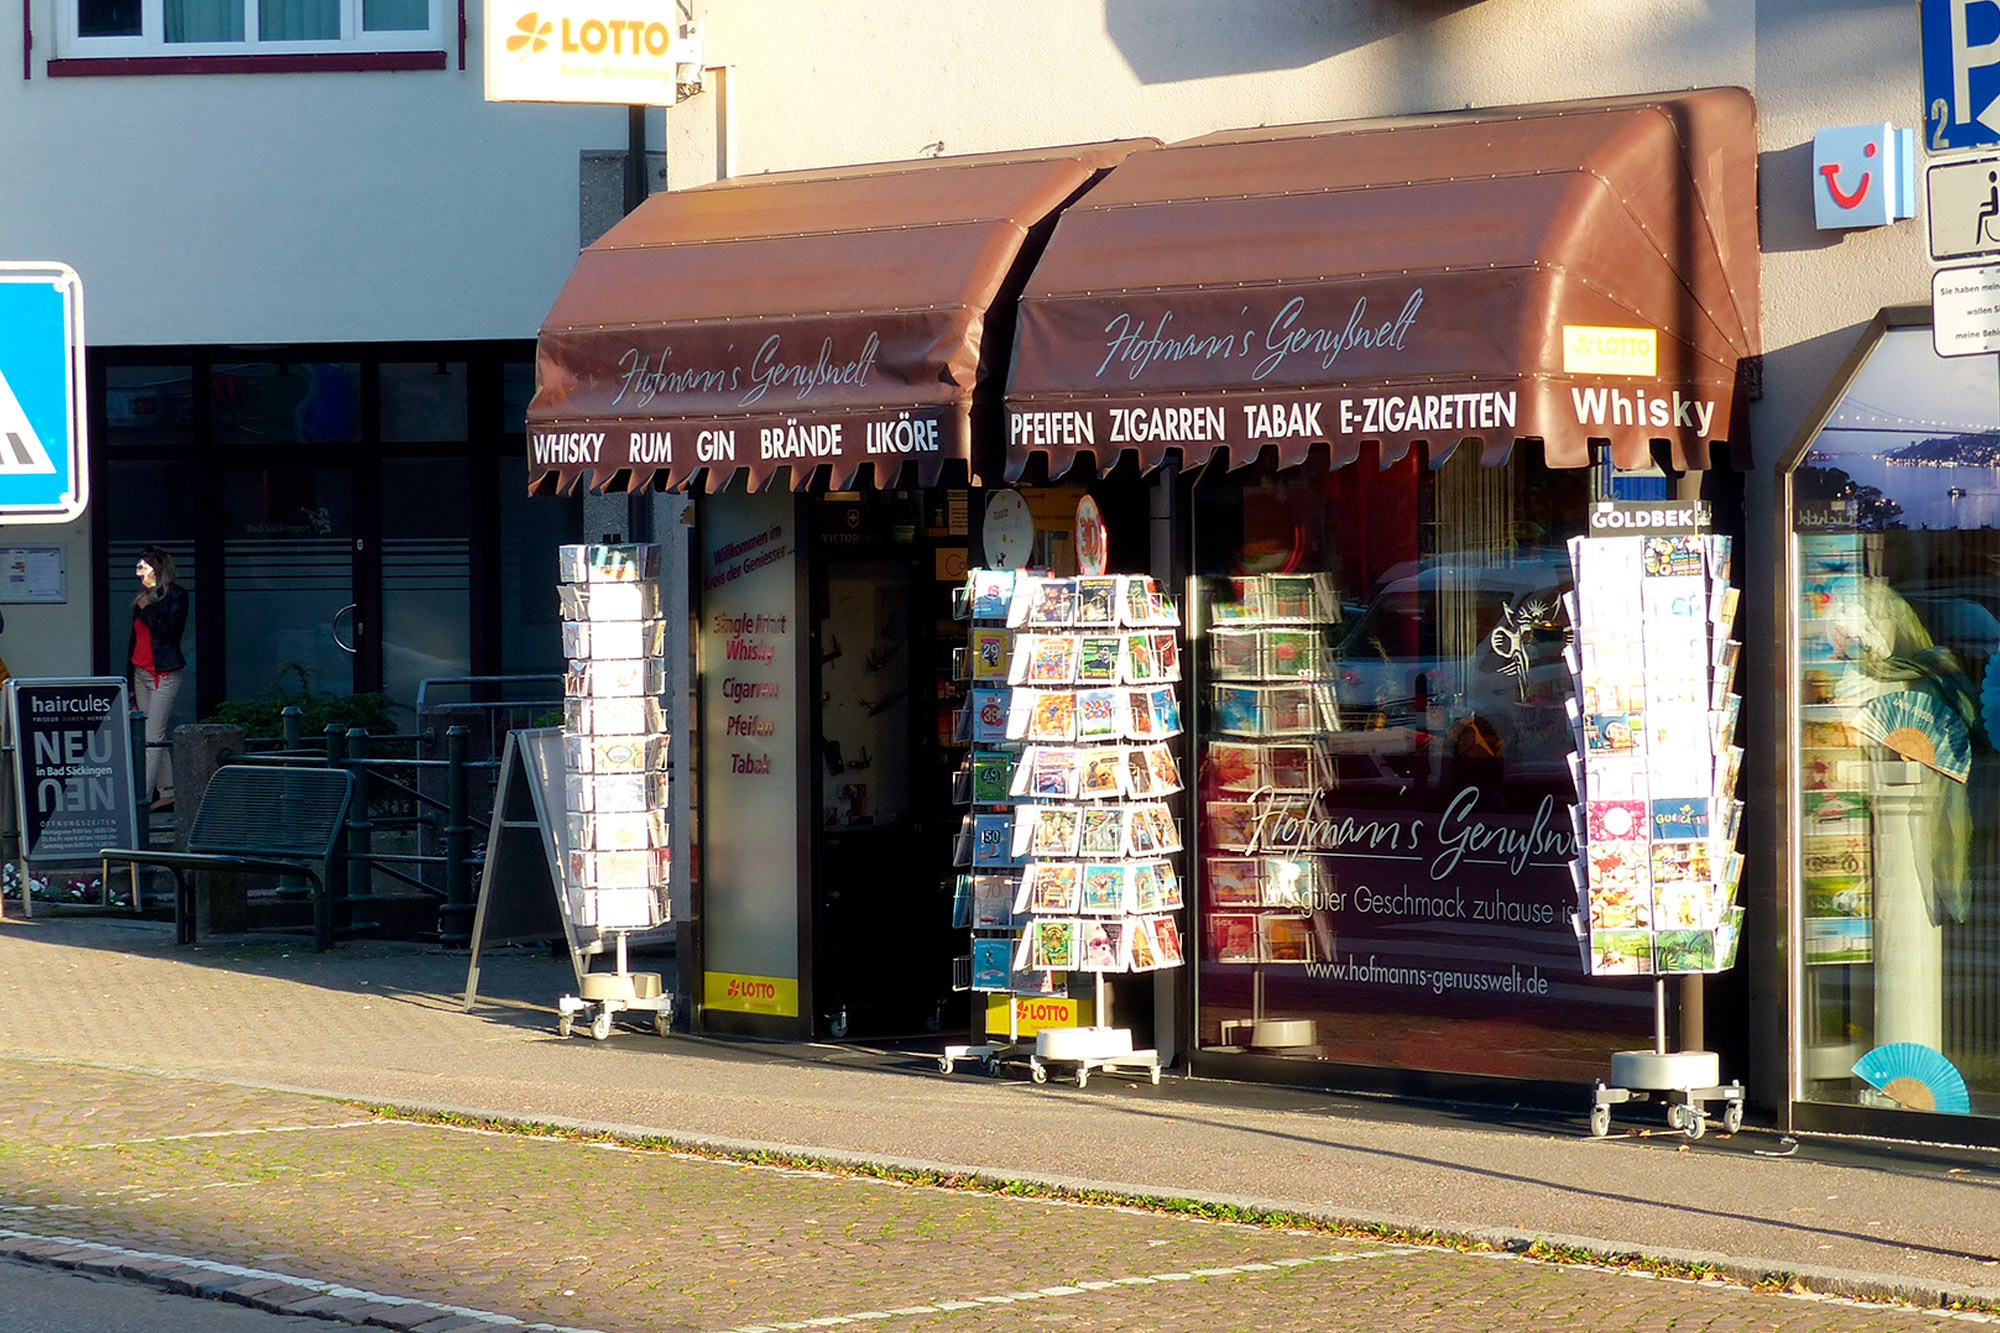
{"x": 383, "y": 1022}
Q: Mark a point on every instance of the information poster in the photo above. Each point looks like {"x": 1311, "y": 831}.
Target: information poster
{"x": 72, "y": 768}
{"x": 750, "y": 719}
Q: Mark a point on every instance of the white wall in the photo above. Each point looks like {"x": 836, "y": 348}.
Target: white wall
{"x": 51, "y": 639}
{"x": 292, "y": 207}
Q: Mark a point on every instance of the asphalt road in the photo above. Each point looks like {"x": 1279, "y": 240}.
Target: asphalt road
{"x": 37, "y": 1299}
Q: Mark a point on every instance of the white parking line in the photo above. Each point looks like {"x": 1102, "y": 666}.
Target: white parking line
{"x": 228, "y": 1134}
{"x": 1073, "y": 1289}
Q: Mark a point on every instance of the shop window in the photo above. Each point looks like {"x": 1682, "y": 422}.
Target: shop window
{"x": 1896, "y": 662}
{"x": 423, "y": 401}
{"x": 280, "y": 402}
{"x": 1383, "y": 746}
{"x": 94, "y": 29}
{"x": 148, "y": 405}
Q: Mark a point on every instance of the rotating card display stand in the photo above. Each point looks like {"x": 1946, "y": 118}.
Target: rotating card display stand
{"x": 1070, "y": 845}
{"x": 614, "y": 776}
{"x": 1656, "y": 763}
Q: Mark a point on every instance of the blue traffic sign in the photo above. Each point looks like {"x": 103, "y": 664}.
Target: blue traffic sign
{"x": 44, "y": 470}
{"x": 1961, "y": 41}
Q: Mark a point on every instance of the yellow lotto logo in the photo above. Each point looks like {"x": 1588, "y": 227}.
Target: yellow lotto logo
{"x": 751, "y": 995}
{"x": 1032, "y": 1013}
{"x": 1590, "y": 349}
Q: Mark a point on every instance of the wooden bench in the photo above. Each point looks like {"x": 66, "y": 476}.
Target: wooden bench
{"x": 258, "y": 819}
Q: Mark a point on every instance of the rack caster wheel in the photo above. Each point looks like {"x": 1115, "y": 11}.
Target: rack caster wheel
{"x": 1600, "y": 1121}
{"x": 1083, "y": 1078}
{"x": 934, "y": 1020}
{"x": 1697, "y": 1125}
{"x": 1038, "y": 1073}
{"x": 600, "y": 1025}
{"x": 564, "y": 1025}
{"x": 944, "y": 1064}
{"x": 837, "y": 1026}
{"x": 663, "y": 1022}
{"x": 1732, "y": 1117}
{"x": 1156, "y": 1076}
{"x": 992, "y": 1066}
{"x": 1676, "y": 1116}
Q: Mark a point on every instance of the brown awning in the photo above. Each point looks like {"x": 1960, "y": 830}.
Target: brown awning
{"x": 793, "y": 320}
{"x": 1489, "y": 276}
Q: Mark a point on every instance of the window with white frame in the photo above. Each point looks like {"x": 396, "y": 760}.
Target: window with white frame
{"x": 115, "y": 28}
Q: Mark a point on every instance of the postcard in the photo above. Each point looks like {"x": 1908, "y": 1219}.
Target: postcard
{"x": 993, "y": 653}
{"x": 1675, "y": 556}
{"x": 1291, "y": 767}
{"x": 1138, "y": 773}
{"x": 1232, "y": 937}
{"x": 1141, "y": 663}
{"x": 1053, "y": 773}
{"x": 1166, "y": 773}
{"x": 1288, "y": 881}
{"x": 1103, "y": 830}
{"x": 990, "y": 711}
{"x": 1233, "y": 766}
{"x": 1052, "y": 603}
{"x": 1025, "y": 980}
{"x": 1289, "y": 711}
{"x": 1097, "y": 600}
{"x": 1291, "y": 597}
{"x": 1054, "y": 944}
{"x": 993, "y": 839}
{"x": 1619, "y": 865}
{"x": 1044, "y": 659}
{"x": 1052, "y": 830}
{"x": 1103, "y": 946}
{"x": 1138, "y": 603}
{"x": 992, "y": 593}
{"x": 1620, "y": 908}
{"x": 1142, "y": 831}
{"x": 991, "y": 964}
{"x": 1105, "y": 890}
{"x": 1284, "y": 939}
{"x": 1050, "y": 887}
{"x": 1616, "y": 821}
{"x": 1236, "y": 654}
{"x": 1684, "y": 951}
{"x": 1621, "y": 952}
{"x": 1167, "y": 653}
{"x": 1165, "y": 704}
{"x": 1167, "y": 883}
{"x": 1291, "y": 654}
{"x": 1051, "y": 715}
{"x": 993, "y": 901}
{"x": 1166, "y": 939}
{"x": 1238, "y": 710}
{"x": 1101, "y": 715}
{"x": 1684, "y": 862}
{"x": 1098, "y": 657}
{"x": 1232, "y": 825}
{"x": 1101, "y": 772}
{"x": 1679, "y": 817}
{"x": 1143, "y": 954}
{"x": 992, "y": 777}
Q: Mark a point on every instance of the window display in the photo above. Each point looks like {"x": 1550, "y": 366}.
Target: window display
{"x": 1896, "y": 682}
{"x": 1384, "y": 742}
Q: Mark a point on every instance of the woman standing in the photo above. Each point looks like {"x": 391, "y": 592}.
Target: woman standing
{"x": 159, "y": 615}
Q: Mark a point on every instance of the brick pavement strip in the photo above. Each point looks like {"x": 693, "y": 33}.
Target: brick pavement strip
{"x": 600, "y": 1235}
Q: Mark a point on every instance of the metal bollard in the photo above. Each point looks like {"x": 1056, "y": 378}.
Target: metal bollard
{"x": 336, "y": 868}
{"x": 295, "y": 728}
{"x": 455, "y": 917}
{"x": 359, "y": 898}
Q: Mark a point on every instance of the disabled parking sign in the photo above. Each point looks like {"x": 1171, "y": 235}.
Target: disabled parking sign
{"x": 44, "y": 470}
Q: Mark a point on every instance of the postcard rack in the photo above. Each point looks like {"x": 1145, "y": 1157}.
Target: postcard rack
{"x": 1069, "y": 845}
{"x": 1266, "y": 757}
{"x": 1657, "y": 816}
{"x": 614, "y": 776}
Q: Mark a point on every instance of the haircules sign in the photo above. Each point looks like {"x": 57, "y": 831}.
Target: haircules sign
{"x": 72, "y": 768}
{"x": 599, "y": 51}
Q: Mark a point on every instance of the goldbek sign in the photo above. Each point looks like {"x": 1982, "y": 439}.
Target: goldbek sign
{"x": 585, "y": 51}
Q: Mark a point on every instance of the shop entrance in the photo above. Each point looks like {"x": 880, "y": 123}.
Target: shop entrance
{"x": 882, "y": 756}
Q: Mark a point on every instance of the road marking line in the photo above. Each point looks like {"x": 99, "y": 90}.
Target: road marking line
{"x": 1078, "y": 1289}
{"x": 334, "y": 1289}
{"x": 228, "y": 1134}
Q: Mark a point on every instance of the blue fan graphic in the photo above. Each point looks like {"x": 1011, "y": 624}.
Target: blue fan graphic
{"x": 1916, "y": 1076}
{"x": 1919, "y": 725}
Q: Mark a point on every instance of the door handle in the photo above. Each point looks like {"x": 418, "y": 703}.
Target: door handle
{"x": 340, "y": 643}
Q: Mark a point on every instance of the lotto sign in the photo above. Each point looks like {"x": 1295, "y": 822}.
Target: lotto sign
{"x": 44, "y": 476}
{"x": 587, "y": 51}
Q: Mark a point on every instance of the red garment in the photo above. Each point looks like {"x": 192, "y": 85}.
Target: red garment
{"x": 142, "y": 649}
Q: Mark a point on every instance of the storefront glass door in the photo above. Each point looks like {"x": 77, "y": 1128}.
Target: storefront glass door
{"x": 289, "y": 540}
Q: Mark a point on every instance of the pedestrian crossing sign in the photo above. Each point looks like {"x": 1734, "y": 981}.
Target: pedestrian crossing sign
{"x": 44, "y": 471}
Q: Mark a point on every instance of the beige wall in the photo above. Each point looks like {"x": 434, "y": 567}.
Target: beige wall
{"x": 51, "y": 640}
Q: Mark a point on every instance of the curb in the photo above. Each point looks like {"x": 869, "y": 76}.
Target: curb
{"x": 1838, "y": 1283}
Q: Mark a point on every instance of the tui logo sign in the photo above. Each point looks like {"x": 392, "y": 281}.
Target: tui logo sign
{"x": 1863, "y": 176}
